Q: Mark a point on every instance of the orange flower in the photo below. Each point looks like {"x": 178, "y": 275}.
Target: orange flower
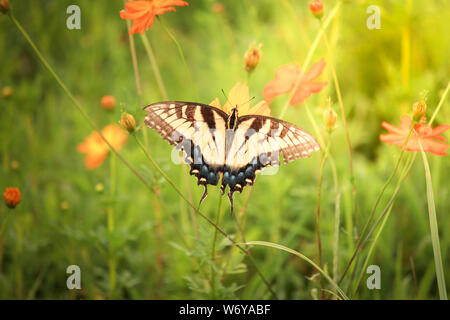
{"x": 316, "y": 8}
{"x": 143, "y": 12}
{"x": 286, "y": 77}
{"x": 240, "y": 95}
{"x": 108, "y": 102}
{"x": 12, "y": 197}
{"x": 96, "y": 149}
{"x": 424, "y": 132}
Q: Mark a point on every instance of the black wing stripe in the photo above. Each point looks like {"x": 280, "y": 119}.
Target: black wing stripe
{"x": 208, "y": 117}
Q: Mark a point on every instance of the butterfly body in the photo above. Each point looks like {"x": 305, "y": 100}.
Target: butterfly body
{"x": 220, "y": 146}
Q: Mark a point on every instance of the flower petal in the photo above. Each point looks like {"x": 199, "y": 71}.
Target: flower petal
{"x": 315, "y": 71}
{"x": 285, "y": 77}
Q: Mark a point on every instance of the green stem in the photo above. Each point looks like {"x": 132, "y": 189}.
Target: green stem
{"x": 155, "y": 67}
{"x": 377, "y": 201}
{"x": 317, "y": 211}
{"x": 303, "y": 257}
{"x": 385, "y": 214}
{"x": 213, "y": 251}
{"x": 180, "y": 52}
{"x": 434, "y": 227}
{"x": 309, "y": 56}
{"x": 134, "y": 60}
{"x": 441, "y": 102}
{"x": 344, "y": 120}
{"x": 111, "y": 227}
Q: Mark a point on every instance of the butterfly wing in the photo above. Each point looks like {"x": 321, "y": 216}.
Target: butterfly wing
{"x": 257, "y": 142}
{"x": 196, "y": 129}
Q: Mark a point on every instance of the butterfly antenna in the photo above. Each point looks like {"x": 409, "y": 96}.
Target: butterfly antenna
{"x": 249, "y": 100}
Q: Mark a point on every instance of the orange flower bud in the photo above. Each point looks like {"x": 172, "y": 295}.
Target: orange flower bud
{"x": 12, "y": 197}
{"x": 64, "y": 206}
{"x": 15, "y": 165}
{"x": 252, "y": 58}
{"x": 6, "y": 91}
{"x": 128, "y": 123}
{"x": 4, "y": 5}
{"x": 218, "y": 7}
{"x": 108, "y": 102}
{"x": 419, "y": 110}
{"x": 316, "y": 8}
{"x": 329, "y": 119}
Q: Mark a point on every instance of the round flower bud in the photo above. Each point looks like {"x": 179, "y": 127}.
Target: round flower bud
{"x": 64, "y": 206}
{"x": 218, "y": 7}
{"x": 6, "y": 91}
{"x": 419, "y": 110}
{"x": 4, "y": 5}
{"x": 12, "y": 197}
{"x": 15, "y": 165}
{"x": 99, "y": 188}
{"x": 252, "y": 58}
{"x": 108, "y": 102}
{"x": 128, "y": 123}
{"x": 329, "y": 119}
{"x": 316, "y": 8}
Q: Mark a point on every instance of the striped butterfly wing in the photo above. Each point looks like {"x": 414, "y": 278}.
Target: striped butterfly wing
{"x": 257, "y": 142}
{"x": 196, "y": 129}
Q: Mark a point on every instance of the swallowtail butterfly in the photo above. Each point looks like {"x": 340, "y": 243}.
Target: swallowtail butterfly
{"x": 226, "y": 147}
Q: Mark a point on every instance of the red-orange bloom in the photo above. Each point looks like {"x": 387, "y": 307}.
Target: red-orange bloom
{"x": 143, "y": 12}
{"x": 424, "y": 132}
{"x": 12, "y": 197}
{"x": 96, "y": 149}
{"x": 286, "y": 77}
{"x": 108, "y": 102}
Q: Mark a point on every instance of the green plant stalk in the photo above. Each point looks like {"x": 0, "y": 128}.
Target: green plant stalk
{"x": 344, "y": 121}
{"x": 300, "y": 25}
{"x": 213, "y": 250}
{"x": 434, "y": 227}
{"x": 377, "y": 201}
{"x": 180, "y": 52}
{"x": 239, "y": 227}
{"x": 111, "y": 227}
{"x": 441, "y": 102}
{"x": 155, "y": 201}
{"x": 371, "y": 248}
{"x": 336, "y": 216}
{"x": 339, "y": 96}
{"x": 317, "y": 211}
{"x": 155, "y": 68}
{"x": 385, "y": 214}
{"x": 309, "y": 56}
{"x": 134, "y": 60}
{"x": 166, "y": 177}
{"x": 303, "y": 257}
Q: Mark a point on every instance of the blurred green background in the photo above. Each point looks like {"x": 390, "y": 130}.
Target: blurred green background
{"x": 159, "y": 248}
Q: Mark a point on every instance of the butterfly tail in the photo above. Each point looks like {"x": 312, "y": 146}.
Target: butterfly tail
{"x": 205, "y": 194}
{"x": 230, "y": 196}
